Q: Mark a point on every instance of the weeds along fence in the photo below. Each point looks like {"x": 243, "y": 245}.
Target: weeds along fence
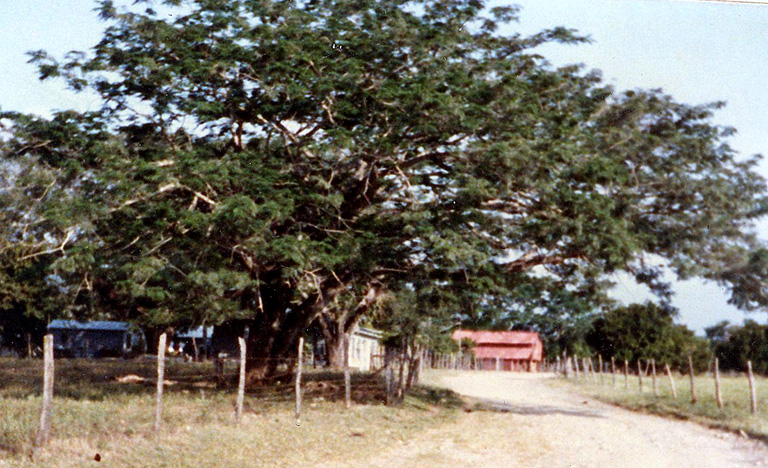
{"x": 647, "y": 382}
{"x": 159, "y": 390}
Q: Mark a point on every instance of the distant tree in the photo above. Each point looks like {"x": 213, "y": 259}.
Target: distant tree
{"x": 647, "y": 331}
{"x": 734, "y": 345}
{"x": 718, "y": 333}
{"x": 292, "y": 162}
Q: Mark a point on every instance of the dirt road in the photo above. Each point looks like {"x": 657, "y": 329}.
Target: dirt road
{"x": 536, "y": 425}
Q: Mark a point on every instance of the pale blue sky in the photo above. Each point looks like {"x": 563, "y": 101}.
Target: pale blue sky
{"x": 698, "y": 52}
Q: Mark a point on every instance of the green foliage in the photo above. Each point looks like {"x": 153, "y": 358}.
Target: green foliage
{"x": 734, "y": 345}
{"x": 287, "y": 162}
{"x": 647, "y": 331}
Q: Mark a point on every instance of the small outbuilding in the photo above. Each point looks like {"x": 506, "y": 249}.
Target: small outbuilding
{"x": 504, "y": 350}
{"x": 96, "y": 339}
{"x": 366, "y": 352}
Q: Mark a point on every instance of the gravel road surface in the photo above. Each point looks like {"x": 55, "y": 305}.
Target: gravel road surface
{"x": 532, "y": 424}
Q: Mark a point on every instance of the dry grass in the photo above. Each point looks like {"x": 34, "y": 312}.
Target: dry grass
{"x": 735, "y": 414}
{"x": 94, "y": 413}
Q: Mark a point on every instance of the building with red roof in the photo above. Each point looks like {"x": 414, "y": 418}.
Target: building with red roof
{"x": 504, "y": 350}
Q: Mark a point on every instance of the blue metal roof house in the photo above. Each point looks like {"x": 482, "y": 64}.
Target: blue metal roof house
{"x": 97, "y": 339}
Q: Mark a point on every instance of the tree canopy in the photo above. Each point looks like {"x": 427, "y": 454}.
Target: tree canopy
{"x": 291, "y": 162}
{"x": 734, "y": 345}
{"x": 647, "y": 331}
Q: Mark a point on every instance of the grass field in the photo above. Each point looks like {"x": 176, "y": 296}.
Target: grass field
{"x": 96, "y": 413}
{"x": 735, "y": 415}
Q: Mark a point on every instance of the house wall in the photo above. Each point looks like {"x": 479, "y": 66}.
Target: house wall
{"x": 513, "y": 365}
{"x": 89, "y": 343}
{"x": 362, "y": 350}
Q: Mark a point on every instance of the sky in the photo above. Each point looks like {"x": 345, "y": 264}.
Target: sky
{"x": 698, "y": 52}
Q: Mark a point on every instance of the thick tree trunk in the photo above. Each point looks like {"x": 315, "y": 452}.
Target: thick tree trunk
{"x": 335, "y": 352}
{"x": 413, "y": 367}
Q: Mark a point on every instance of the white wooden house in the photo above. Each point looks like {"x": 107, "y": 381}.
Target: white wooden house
{"x": 365, "y": 349}
{"x": 366, "y": 352}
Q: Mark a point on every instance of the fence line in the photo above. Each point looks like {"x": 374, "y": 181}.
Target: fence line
{"x": 161, "y": 364}
{"x": 241, "y": 383}
{"x": 47, "y": 407}
{"x": 160, "y": 380}
{"x": 650, "y": 369}
{"x": 693, "y": 383}
{"x": 752, "y": 393}
{"x": 298, "y": 382}
{"x": 718, "y": 395}
{"x": 671, "y": 380}
{"x": 347, "y": 383}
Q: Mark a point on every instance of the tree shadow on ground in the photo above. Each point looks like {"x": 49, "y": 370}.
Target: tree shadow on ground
{"x": 100, "y": 379}
{"x": 478, "y": 404}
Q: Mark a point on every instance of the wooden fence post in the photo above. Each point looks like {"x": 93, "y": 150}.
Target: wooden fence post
{"x": 45, "y": 411}
{"x": 347, "y": 383}
{"x": 718, "y": 395}
{"x": 241, "y": 384}
{"x": 298, "y": 381}
{"x": 693, "y": 385}
{"x": 388, "y": 375}
{"x": 640, "y": 376}
{"x": 655, "y": 382}
{"x": 218, "y": 365}
{"x": 626, "y": 374}
{"x": 600, "y": 367}
{"x": 752, "y": 393}
{"x": 671, "y": 380}
{"x": 160, "y": 380}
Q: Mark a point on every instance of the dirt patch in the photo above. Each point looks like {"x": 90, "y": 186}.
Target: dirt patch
{"x": 135, "y": 379}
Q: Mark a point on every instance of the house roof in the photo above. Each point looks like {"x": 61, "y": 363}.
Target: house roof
{"x": 503, "y": 344}
{"x": 100, "y": 325}
{"x": 368, "y": 333}
{"x": 512, "y": 338}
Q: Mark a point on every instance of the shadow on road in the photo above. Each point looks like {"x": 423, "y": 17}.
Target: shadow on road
{"x": 477, "y": 404}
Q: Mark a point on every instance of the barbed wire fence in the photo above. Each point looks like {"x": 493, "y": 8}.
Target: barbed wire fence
{"x": 301, "y": 378}
{"x": 582, "y": 370}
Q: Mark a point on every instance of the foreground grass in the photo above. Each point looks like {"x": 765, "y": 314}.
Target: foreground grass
{"x": 735, "y": 415}
{"x": 94, "y": 413}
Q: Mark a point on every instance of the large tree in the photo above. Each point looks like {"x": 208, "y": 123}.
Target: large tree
{"x": 290, "y": 161}
{"x": 734, "y": 345}
{"x": 647, "y": 331}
